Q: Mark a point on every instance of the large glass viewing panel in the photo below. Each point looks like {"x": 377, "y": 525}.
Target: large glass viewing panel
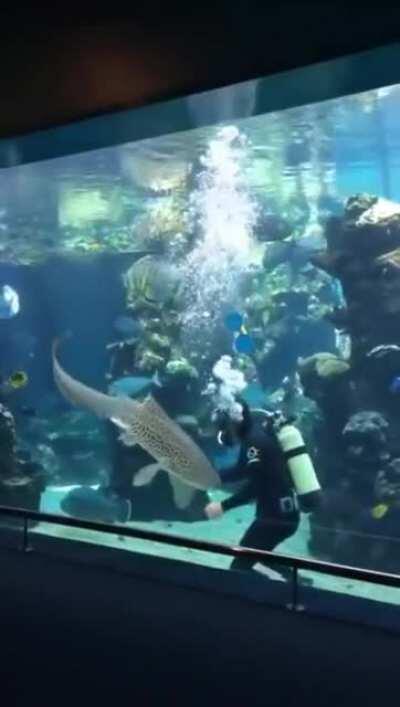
{"x": 219, "y": 277}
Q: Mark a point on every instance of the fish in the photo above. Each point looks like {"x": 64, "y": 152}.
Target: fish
{"x": 17, "y": 480}
{"x": 91, "y": 504}
{"x": 272, "y": 228}
{"x": 187, "y": 421}
{"x": 127, "y": 327}
{"x": 242, "y": 342}
{"x": 133, "y": 386}
{"x": 145, "y": 424}
{"x": 152, "y": 280}
{"x": 16, "y": 381}
{"x": 9, "y": 302}
{"x": 233, "y": 321}
{"x": 297, "y": 253}
{"x": 383, "y": 350}
{"x": 395, "y": 385}
{"x": 254, "y": 395}
{"x": 379, "y": 511}
{"x": 392, "y": 258}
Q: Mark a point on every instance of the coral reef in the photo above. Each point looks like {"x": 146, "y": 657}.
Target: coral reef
{"x": 362, "y": 254}
{"x": 151, "y": 283}
{"x": 153, "y": 292}
{"x": 358, "y": 396}
{"x": 22, "y": 481}
{"x": 325, "y": 380}
{"x": 163, "y": 227}
{"x": 182, "y": 369}
{"x": 7, "y": 443}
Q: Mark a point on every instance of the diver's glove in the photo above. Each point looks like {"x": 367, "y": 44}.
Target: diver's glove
{"x": 214, "y": 510}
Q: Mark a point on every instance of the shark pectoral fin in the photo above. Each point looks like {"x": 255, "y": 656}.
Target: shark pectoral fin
{"x": 182, "y": 493}
{"x": 119, "y": 423}
{"x": 146, "y": 474}
{"x": 126, "y": 437}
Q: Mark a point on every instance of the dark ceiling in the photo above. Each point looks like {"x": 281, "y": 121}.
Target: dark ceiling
{"x": 61, "y": 65}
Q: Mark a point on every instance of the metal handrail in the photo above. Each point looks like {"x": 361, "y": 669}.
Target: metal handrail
{"x": 293, "y": 561}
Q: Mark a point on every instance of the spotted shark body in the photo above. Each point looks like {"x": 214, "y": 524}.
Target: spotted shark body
{"x": 148, "y": 425}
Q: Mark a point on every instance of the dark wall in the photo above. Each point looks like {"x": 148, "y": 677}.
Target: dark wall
{"x": 83, "y": 633}
{"x": 56, "y": 66}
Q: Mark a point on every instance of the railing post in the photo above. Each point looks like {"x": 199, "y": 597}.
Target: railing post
{"x": 294, "y": 604}
{"x": 26, "y": 547}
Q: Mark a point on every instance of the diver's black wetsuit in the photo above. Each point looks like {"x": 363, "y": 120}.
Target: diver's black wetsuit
{"x": 262, "y": 463}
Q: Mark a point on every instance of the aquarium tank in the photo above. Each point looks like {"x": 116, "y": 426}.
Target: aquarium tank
{"x": 200, "y": 320}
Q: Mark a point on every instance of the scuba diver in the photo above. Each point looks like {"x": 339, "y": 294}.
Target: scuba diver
{"x": 280, "y": 478}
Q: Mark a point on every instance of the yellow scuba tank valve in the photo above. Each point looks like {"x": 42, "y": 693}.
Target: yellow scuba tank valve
{"x": 298, "y": 460}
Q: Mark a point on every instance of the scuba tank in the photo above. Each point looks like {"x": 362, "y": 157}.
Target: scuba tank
{"x": 299, "y": 463}
{"x": 298, "y": 460}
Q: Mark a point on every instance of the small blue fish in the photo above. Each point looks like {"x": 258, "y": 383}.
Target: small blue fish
{"x": 395, "y": 385}
{"x": 127, "y": 327}
{"x": 234, "y": 321}
{"x": 244, "y": 344}
{"x": 9, "y": 302}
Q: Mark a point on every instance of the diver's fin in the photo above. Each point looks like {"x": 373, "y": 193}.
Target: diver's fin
{"x": 146, "y": 474}
{"x": 183, "y": 494}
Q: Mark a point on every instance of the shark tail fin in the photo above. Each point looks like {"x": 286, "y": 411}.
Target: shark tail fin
{"x": 57, "y": 341}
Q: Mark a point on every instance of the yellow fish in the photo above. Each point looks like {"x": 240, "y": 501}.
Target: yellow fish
{"x": 379, "y": 510}
{"x": 17, "y": 380}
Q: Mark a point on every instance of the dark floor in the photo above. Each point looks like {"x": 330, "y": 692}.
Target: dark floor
{"x": 87, "y": 634}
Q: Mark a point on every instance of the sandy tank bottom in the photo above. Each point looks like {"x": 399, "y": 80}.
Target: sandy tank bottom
{"x": 228, "y": 530}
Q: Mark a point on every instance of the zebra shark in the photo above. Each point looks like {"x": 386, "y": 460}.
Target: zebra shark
{"x": 145, "y": 424}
